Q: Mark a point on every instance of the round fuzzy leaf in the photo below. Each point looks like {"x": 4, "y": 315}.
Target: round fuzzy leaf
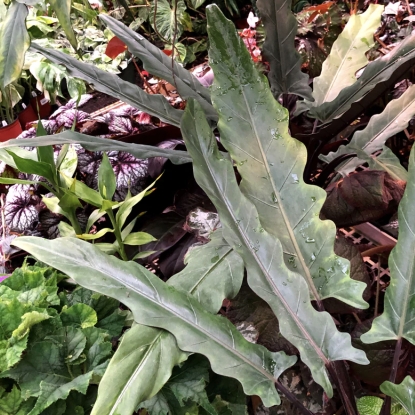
{"x": 80, "y": 315}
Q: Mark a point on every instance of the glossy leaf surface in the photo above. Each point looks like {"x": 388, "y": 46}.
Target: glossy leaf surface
{"x": 313, "y": 333}
{"x": 403, "y": 393}
{"x": 394, "y": 118}
{"x": 254, "y": 129}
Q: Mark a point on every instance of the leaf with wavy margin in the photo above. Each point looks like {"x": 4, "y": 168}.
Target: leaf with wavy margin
{"x": 312, "y": 332}
{"x": 136, "y": 373}
{"x": 285, "y": 74}
{"x": 397, "y": 319}
{"x": 347, "y": 55}
{"x": 375, "y": 79}
{"x": 394, "y": 118}
{"x": 154, "y": 303}
{"x": 156, "y": 62}
{"x": 254, "y": 129}
{"x": 403, "y": 393}
{"x": 156, "y": 105}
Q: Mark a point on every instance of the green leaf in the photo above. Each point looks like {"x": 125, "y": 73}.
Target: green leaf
{"x": 29, "y": 166}
{"x": 69, "y": 202}
{"x": 210, "y": 283}
{"x": 157, "y": 349}
{"x": 369, "y": 405}
{"x": 285, "y": 74}
{"x": 45, "y": 155}
{"x": 93, "y": 217}
{"x": 377, "y": 77}
{"x": 159, "y": 64}
{"x": 100, "y": 144}
{"x": 214, "y": 271}
{"x": 84, "y": 192}
{"x": 138, "y": 238}
{"x": 93, "y": 236}
{"x": 68, "y": 162}
{"x": 11, "y": 402}
{"x": 254, "y": 129}
{"x": 403, "y": 393}
{"x": 396, "y": 321}
{"x": 394, "y": 118}
{"x": 113, "y": 85}
{"x": 72, "y": 340}
{"x": 313, "y": 333}
{"x": 347, "y": 55}
{"x": 14, "y": 43}
{"x": 127, "y": 207}
{"x": 154, "y": 303}
{"x": 29, "y": 320}
{"x": 170, "y": 20}
{"x": 79, "y": 315}
{"x": 107, "y": 183}
{"x": 62, "y": 8}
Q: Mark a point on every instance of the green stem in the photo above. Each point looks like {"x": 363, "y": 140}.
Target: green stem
{"x": 75, "y": 223}
{"x": 117, "y": 233}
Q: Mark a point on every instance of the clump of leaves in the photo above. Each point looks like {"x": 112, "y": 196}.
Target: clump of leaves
{"x": 54, "y": 344}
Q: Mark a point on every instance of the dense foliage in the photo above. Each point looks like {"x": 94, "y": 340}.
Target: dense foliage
{"x": 237, "y": 280}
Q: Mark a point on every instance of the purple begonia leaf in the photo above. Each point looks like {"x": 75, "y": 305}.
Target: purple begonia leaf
{"x": 88, "y": 164}
{"x": 71, "y": 104}
{"x": 48, "y": 224}
{"x": 122, "y": 125}
{"x": 30, "y": 133}
{"x": 143, "y": 118}
{"x": 156, "y": 164}
{"x": 20, "y": 210}
{"x": 71, "y": 116}
{"x": 130, "y": 172}
{"x": 51, "y": 126}
{"x": 125, "y": 111}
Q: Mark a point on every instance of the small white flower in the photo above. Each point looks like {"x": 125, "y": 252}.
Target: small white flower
{"x": 252, "y": 20}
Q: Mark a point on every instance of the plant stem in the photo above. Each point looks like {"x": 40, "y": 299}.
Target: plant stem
{"x": 74, "y": 222}
{"x": 117, "y": 233}
{"x": 341, "y": 379}
{"x": 386, "y": 407}
{"x": 292, "y": 398}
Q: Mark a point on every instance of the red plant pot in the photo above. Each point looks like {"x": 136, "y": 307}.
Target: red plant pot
{"x": 27, "y": 115}
{"x": 44, "y": 106}
{"x": 10, "y": 131}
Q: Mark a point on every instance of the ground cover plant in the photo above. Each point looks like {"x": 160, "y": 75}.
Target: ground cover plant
{"x": 300, "y": 318}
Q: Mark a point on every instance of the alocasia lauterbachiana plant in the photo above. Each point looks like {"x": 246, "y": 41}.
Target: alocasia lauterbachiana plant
{"x": 270, "y": 222}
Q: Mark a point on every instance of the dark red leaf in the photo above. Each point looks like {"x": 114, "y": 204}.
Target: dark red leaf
{"x": 115, "y": 47}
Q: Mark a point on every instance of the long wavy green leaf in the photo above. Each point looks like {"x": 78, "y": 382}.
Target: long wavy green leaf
{"x": 347, "y": 55}
{"x": 153, "y": 303}
{"x": 254, "y": 129}
{"x": 62, "y": 8}
{"x": 285, "y": 74}
{"x": 100, "y": 144}
{"x": 159, "y": 64}
{"x": 397, "y": 320}
{"x": 140, "y": 367}
{"x": 214, "y": 272}
{"x": 313, "y": 333}
{"x": 113, "y": 85}
{"x": 375, "y": 79}
{"x": 364, "y": 143}
{"x": 14, "y": 42}
{"x": 144, "y": 360}
{"x": 403, "y": 393}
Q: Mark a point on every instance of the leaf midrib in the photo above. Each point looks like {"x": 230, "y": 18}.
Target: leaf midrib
{"x": 72, "y": 260}
{"x": 134, "y": 374}
{"x": 280, "y": 204}
{"x": 266, "y": 274}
